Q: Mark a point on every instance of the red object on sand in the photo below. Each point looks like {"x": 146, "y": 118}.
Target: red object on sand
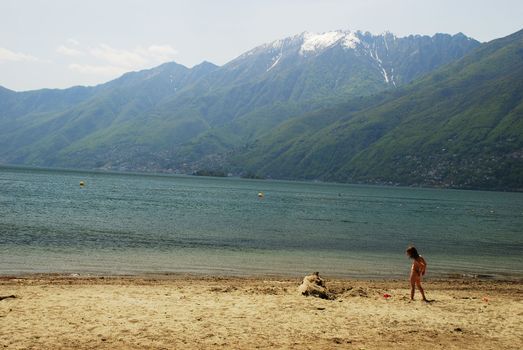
{"x": 386, "y": 295}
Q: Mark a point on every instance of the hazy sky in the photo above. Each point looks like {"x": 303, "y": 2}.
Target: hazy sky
{"x": 61, "y": 43}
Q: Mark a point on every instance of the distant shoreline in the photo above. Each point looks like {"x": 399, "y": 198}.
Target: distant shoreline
{"x": 131, "y": 172}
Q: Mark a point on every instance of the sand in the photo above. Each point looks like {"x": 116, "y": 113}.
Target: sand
{"x": 194, "y": 312}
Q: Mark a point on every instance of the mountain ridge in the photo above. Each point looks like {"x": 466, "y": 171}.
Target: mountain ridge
{"x": 176, "y": 119}
{"x": 460, "y": 126}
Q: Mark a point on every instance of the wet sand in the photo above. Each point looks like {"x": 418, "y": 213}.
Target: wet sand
{"x": 195, "y": 312}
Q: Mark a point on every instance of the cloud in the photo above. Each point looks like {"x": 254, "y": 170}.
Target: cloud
{"x": 161, "y": 52}
{"x": 97, "y": 69}
{"x": 122, "y": 58}
{"x": 105, "y": 60}
{"x": 134, "y": 59}
{"x": 68, "y": 51}
{"x": 8, "y": 55}
{"x": 74, "y": 42}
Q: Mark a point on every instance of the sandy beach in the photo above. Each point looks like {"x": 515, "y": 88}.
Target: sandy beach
{"x": 195, "y": 312}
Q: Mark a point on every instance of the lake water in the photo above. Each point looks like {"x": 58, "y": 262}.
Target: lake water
{"x": 138, "y": 224}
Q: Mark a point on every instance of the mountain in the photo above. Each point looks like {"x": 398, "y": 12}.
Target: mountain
{"x": 339, "y": 106}
{"x": 172, "y": 118}
{"x": 461, "y": 127}
{"x": 37, "y": 126}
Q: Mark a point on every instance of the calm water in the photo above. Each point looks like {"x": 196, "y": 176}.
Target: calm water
{"x": 134, "y": 224}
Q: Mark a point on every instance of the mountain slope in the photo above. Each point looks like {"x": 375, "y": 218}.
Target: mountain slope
{"x": 265, "y": 86}
{"x": 173, "y": 117}
{"x": 39, "y": 136}
{"x": 461, "y": 126}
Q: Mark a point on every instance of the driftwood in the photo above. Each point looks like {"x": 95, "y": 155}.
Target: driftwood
{"x": 314, "y": 285}
{"x": 7, "y": 297}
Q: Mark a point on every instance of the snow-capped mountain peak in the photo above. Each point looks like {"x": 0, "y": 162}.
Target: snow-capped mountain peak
{"x": 313, "y": 42}
{"x": 380, "y": 55}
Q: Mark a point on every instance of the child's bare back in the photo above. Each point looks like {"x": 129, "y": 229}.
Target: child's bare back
{"x": 418, "y": 267}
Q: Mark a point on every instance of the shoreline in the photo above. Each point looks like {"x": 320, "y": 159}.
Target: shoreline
{"x": 109, "y": 171}
{"x": 222, "y": 312}
{"x": 290, "y": 276}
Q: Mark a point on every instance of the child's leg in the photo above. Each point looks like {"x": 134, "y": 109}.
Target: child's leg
{"x": 412, "y": 288}
{"x": 418, "y": 282}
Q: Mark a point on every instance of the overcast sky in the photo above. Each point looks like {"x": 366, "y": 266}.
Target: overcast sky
{"x": 62, "y": 43}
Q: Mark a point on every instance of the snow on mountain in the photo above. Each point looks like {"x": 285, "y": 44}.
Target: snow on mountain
{"x": 316, "y": 42}
{"x": 275, "y": 61}
{"x": 351, "y": 40}
{"x": 391, "y": 59}
{"x": 306, "y": 44}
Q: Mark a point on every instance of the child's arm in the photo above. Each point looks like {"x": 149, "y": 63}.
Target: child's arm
{"x": 423, "y": 264}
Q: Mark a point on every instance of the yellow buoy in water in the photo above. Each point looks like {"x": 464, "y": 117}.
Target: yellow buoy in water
{"x": 82, "y": 184}
{"x": 260, "y": 195}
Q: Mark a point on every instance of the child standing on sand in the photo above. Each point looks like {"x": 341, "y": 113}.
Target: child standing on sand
{"x": 419, "y": 265}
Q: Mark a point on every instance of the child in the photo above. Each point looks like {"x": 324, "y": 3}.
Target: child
{"x": 418, "y": 269}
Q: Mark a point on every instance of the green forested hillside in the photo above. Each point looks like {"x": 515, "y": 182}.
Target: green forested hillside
{"x": 178, "y": 119}
{"x": 461, "y": 126}
{"x": 340, "y": 106}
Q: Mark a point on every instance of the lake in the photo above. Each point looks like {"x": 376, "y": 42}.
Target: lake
{"x": 139, "y": 224}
